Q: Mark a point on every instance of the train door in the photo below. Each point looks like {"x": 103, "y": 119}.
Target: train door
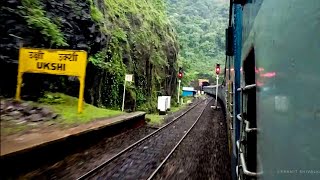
{"x": 247, "y": 145}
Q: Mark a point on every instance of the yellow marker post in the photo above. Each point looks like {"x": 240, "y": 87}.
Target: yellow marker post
{"x": 19, "y": 79}
{"x": 19, "y": 82}
{"x": 81, "y": 92}
{"x": 53, "y": 61}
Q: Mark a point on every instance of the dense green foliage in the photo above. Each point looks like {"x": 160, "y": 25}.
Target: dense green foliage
{"x": 141, "y": 43}
{"x": 35, "y": 17}
{"x": 200, "y": 25}
{"x": 120, "y": 36}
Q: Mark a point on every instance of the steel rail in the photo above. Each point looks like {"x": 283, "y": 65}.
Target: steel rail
{"x": 176, "y": 146}
{"x": 91, "y": 172}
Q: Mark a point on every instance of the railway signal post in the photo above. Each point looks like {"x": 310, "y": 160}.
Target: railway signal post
{"x": 217, "y": 85}
{"x": 180, "y": 75}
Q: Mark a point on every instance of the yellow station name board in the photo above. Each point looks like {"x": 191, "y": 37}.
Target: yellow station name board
{"x": 53, "y": 61}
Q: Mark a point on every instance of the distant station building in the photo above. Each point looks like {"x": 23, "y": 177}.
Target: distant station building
{"x": 188, "y": 92}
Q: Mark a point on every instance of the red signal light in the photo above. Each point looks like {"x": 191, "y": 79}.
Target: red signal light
{"x": 218, "y": 69}
{"x": 180, "y": 74}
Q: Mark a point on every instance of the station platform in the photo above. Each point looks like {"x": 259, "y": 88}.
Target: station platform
{"x": 59, "y": 143}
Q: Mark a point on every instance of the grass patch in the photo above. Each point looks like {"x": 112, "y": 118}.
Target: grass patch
{"x": 155, "y": 119}
{"x": 186, "y": 99}
{"x": 10, "y": 128}
{"x": 177, "y": 108}
{"x": 66, "y": 106}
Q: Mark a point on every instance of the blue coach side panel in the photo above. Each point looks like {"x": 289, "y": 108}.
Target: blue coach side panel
{"x": 285, "y": 36}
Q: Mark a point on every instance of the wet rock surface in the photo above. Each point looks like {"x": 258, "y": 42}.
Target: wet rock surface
{"x": 24, "y": 112}
{"x": 204, "y": 152}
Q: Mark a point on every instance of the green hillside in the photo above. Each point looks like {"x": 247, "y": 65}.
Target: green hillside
{"x": 200, "y": 25}
{"x": 120, "y": 36}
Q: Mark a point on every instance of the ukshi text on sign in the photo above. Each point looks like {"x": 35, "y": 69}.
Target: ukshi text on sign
{"x": 53, "y": 61}
{"x": 60, "y": 62}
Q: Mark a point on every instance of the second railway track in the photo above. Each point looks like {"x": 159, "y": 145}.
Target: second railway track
{"x": 142, "y": 159}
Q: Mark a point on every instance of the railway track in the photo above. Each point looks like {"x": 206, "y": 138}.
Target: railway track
{"x": 143, "y": 159}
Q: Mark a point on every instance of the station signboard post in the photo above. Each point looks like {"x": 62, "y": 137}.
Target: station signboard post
{"x": 53, "y": 61}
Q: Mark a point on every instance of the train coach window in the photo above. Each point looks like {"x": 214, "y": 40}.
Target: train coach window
{"x": 249, "y": 68}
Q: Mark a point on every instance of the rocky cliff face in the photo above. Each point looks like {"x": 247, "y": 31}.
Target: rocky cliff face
{"x": 120, "y": 37}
